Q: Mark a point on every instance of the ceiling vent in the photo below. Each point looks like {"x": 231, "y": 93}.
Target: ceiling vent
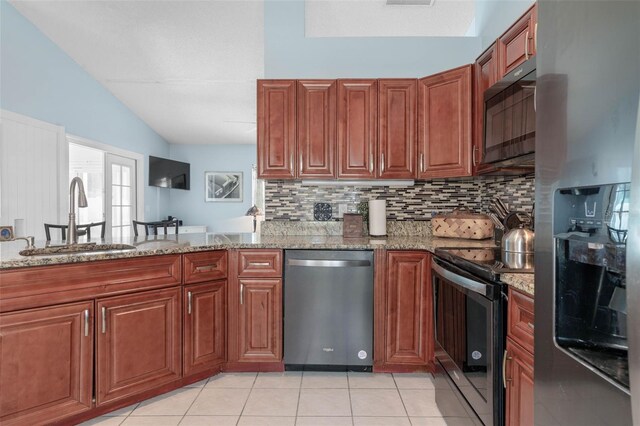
{"x": 410, "y": 2}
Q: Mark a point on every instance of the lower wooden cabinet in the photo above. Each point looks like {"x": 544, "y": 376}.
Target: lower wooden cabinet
{"x": 204, "y": 326}
{"x": 46, "y": 358}
{"x": 519, "y": 379}
{"x": 138, "y": 343}
{"x": 518, "y": 360}
{"x": 260, "y": 322}
{"x": 409, "y": 308}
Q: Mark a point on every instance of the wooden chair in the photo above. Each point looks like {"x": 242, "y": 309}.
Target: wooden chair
{"x": 84, "y": 229}
{"x": 151, "y": 228}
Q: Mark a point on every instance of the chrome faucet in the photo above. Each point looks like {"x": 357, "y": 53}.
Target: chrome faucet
{"x": 72, "y": 237}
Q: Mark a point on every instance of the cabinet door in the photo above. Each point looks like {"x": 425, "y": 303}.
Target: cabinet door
{"x": 138, "y": 343}
{"x": 204, "y": 326}
{"x": 316, "y": 128}
{"x": 47, "y": 363}
{"x": 409, "y": 308}
{"x": 486, "y": 75}
{"x": 276, "y": 129}
{"x": 518, "y": 44}
{"x": 519, "y": 386}
{"x": 397, "y": 129}
{"x": 444, "y": 124}
{"x": 357, "y": 128}
{"x": 260, "y": 320}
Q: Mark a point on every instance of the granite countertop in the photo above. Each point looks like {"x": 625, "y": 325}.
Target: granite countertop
{"x": 523, "y": 282}
{"x": 185, "y": 243}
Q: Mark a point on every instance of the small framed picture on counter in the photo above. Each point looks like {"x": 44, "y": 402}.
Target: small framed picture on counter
{"x": 223, "y": 186}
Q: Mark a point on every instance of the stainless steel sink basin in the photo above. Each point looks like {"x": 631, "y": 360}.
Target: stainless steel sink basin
{"x": 75, "y": 249}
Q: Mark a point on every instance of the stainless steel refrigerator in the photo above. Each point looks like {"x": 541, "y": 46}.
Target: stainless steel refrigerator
{"x": 587, "y": 300}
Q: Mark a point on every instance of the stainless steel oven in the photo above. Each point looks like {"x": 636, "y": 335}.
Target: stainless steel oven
{"x": 470, "y": 337}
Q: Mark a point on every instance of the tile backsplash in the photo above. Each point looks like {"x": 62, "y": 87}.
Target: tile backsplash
{"x": 290, "y": 200}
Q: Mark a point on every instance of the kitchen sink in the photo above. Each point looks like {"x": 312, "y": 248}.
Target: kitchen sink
{"x": 75, "y": 249}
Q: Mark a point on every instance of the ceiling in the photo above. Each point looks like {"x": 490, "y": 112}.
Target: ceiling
{"x": 187, "y": 68}
{"x": 379, "y": 18}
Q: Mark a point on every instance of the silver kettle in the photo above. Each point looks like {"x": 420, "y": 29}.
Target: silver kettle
{"x": 518, "y": 240}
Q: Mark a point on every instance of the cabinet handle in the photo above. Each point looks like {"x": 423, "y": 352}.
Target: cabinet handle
{"x": 531, "y": 326}
{"x": 371, "y": 162}
{"x": 526, "y": 45}
{"x": 242, "y": 294}
{"x": 206, "y": 268}
{"x": 300, "y": 169}
{"x": 86, "y": 322}
{"x": 421, "y": 162}
{"x": 260, "y": 263}
{"x": 535, "y": 36}
{"x": 505, "y": 358}
{"x": 382, "y": 162}
{"x": 189, "y": 302}
{"x": 292, "y": 163}
{"x": 473, "y": 156}
{"x": 104, "y": 320}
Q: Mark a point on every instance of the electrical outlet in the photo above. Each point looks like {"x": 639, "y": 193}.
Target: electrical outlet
{"x": 342, "y": 209}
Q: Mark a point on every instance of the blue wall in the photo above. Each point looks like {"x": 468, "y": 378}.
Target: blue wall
{"x": 41, "y": 81}
{"x": 190, "y": 205}
{"x": 288, "y": 54}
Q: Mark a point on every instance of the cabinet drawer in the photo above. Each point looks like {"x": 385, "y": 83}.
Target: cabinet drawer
{"x": 259, "y": 263}
{"x": 520, "y": 324}
{"x": 205, "y": 266}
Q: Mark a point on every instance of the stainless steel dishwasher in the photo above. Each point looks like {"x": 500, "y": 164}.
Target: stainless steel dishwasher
{"x": 328, "y": 310}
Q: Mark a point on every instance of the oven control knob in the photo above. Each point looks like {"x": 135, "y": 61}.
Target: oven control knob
{"x": 362, "y": 354}
{"x": 476, "y": 355}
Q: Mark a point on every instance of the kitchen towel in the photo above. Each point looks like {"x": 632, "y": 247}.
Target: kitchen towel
{"x": 377, "y": 217}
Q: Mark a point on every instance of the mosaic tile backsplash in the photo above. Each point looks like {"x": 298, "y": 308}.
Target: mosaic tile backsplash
{"x": 290, "y": 200}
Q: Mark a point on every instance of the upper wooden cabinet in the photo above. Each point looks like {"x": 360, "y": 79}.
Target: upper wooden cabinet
{"x": 138, "y": 343}
{"x": 357, "y": 128}
{"x": 409, "y": 309}
{"x": 444, "y": 124}
{"x": 276, "y": 129}
{"x": 47, "y": 364}
{"x": 397, "y": 128}
{"x": 485, "y": 72}
{"x": 316, "y": 128}
{"x": 518, "y": 43}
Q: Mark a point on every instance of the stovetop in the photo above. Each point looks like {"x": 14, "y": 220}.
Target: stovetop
{"x": 487, "y": 262}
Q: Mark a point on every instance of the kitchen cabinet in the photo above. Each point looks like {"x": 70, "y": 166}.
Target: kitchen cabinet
{"x": 47, "y": 363}
{"x": 276, "y": 129}
{"x": 519, "y": 42}
{"x": 444, "y": 124}
{"x": 518, "y": 360}
{"x": 260, "y": 319}
{"x": 397, "y": 128}
{"x": 138, "y": 343}
{"x": 485, "y": 72}
{"x": 357, "y": 120}
{"x": 204, "y": 326}
{"x": 409, "y": 309}
{"x": 316, "y": 137}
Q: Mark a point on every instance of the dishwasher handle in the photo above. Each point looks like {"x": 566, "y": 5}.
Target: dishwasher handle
{"x": 319, "y": 263}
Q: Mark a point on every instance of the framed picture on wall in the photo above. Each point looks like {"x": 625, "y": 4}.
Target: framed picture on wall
{"x": 223, "y": 186}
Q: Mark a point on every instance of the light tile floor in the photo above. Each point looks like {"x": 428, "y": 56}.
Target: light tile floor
{"x": 296, "y": 398}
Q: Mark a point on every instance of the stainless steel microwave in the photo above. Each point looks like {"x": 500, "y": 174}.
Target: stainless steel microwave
{"x": 510, "y": 118}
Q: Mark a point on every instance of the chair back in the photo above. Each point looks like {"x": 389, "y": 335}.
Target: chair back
{"x": 151, "y": 228}
{"x": 84, "y": 229}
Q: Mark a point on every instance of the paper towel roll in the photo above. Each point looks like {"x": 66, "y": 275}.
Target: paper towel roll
{"x": 377, "y": 217}
{"x": 18, "y": 228}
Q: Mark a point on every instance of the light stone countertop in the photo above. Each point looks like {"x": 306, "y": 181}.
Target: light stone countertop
{"x": 522, "y": 282}
{"x": 187, "y": 243}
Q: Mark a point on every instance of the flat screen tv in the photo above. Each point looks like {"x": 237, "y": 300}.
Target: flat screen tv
{"x": 169, "y": 173}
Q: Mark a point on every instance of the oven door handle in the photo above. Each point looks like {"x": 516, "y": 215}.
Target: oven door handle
{"x": 476, "y": 287}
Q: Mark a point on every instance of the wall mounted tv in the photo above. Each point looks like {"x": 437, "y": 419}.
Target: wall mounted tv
{"x": 169, "y": 173}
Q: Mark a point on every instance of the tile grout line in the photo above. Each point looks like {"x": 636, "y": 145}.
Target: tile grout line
{"x": 295, "y": 420}
{"x": 194, "y": 400}
{"x": 353, "y": 422}
{"x": 400, "y": 395}
{"x": 255, "y": 379}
